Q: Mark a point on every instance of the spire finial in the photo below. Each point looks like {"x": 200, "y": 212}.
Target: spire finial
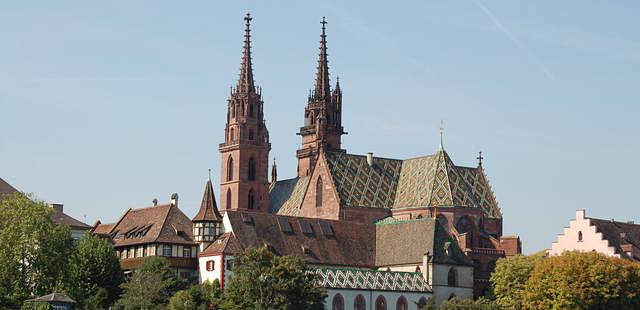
{"x": 441, "y": 134}
{"x": 209, "y": 174}
{"x": 322, "y": 90}
{"x": 480, "y": 158}
{"x": 274, "y": 172}
{"x": 245, "y": 83}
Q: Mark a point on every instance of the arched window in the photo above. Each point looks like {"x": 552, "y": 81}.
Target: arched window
{"x": 401, "y": 304}
{"x": 251, "y": 137}
{"x": 232, "y": 135}
{"x": 230, "y": 169}
{"x": 452, "y": 277}
{"x": 338, "y": 302}
{"x": 251, "y": 110}
{"x": 381, "y": 303}
{"x": 233, "y": 111}
{"x": 252, "y": 169}
{"x": 251, "y": 200}
{"x": 422, "y": 301}
{"x": 579, "y": 235}
{"x": 319, "y": 193}
{"x": 228, "y": 198}
{"x": 359, "y": 303}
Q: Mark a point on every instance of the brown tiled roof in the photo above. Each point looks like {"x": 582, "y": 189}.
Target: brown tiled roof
{"x": 326, "y": 242}
{"x": 59, "y": 217}
{"x": 163, "y": 224}
{"x": 286, "y": 196}
{"x": 403, "y": 242}
{"x": 431, "y": 180}
{"x": 103, "y": 229}
{"x": 208, "y": 209}
{"x": 6, "y": 188}
{"x": 618, "y": 234}
{"x": 224, "y": 244}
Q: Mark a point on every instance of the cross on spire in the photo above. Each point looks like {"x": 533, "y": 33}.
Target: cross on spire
{"x": 441, "y": 134}
{"x": 480, "y": 158}
{"x": 245, "y": 82}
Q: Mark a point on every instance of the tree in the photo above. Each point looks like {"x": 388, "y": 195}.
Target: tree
{"x": 509, "y": 278}
{"x": 468, "y": 304}
{"x": 95, "y": 274}
{"x": 262, "y": 280}
{"x": 33, "y": 250}
{"x": 198, "y": 297}
{"x": 151, "y": 285}
{"x": 577, "y": 280}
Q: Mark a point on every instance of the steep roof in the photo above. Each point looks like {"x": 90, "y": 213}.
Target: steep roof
{"x": 59, "y": 217}
{"x": 286, "y": 196}
{"x": 431, "y": 180}
{"x": 162, "y": 223}
{"x": 224, "y": 244}
{"x": 400, "y": 242}
{"x": 619, "y": 234}
{"x": 317, "y": 241}
{"x": 208, "y": 209}
{"x": 6, "y": 188}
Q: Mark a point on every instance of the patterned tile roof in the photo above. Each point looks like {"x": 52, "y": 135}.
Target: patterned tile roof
{"x": 402, "y": 242}
{"x": 317, "y": 241}
{"x": 368, "y": 279}
{"x": 286, "y": 196}
{"x": 431, "y": 180}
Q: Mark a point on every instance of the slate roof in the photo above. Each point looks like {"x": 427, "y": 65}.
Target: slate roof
{"x": 224, "y": 244}
{"x": 403, "y": 242}
{"x": 431, "y": 180}
{"x": 208, "y": 209}
{"x": 157, "y": 224}
{"x": 368, "y": 279}
{"x": 619, "y": 234}
{"x": 325, "y": 242}
{"x": 59, "y": 217}
{"x": 286, "y": 196}
{"x": 6, "y": 188}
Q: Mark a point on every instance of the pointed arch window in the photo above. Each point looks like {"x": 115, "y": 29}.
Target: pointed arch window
{"x": 452, "y": 277}
{"x": 232, "y": 135}
{"x": 251, "y": 110}
{"x": 319, "y": 188}
{"x": 381, "y": 303}
{"x": 230, "y": 169}
{"x": 233, "y": 111}
{"x": 360, "y": 303}
{"x": 401, "y": 304}
{"x": 252, "y": 169}
{"x": 228, "y": 198}
{"x": 338, "y": 302}
{"x": 579, "y": 235}
{"x": 251, "y": 200}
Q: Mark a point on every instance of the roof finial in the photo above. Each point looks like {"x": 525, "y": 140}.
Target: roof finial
{"x": 480, "y": 158}
{"x": 441, "y": 134}
{"x": 209, "y": 174}
{"x": 245, "y": 83}
{"x": 322, "y": 90}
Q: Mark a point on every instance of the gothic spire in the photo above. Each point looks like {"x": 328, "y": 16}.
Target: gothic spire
{"x": 245, "y": 83}
{"x": 322, "y": 90}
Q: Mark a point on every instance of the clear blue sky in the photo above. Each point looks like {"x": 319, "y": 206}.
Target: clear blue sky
{"x": 106, "y": 105}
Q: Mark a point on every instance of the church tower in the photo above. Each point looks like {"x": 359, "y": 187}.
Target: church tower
{"x": 245, "y": 151}
{"x": 322, "y": 116}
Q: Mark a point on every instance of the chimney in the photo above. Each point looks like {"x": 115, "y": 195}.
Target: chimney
{"x": 370, "y": 159}
{"x": 155, "y": 202}
{"x": 57, "y": 206}
{"x": 174, "y": 199}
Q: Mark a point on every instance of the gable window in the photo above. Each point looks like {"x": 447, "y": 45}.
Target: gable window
{"x": 252, "y": 169}
{"x": 360, "y": 303}
{"x": 251, "y": 200}
{"x": 452, "y": 277}
{"x": 381, "y": 303}
{"x": 230, "y": 169}
{"x": 579, "y": 235}
{"x": 186, "y": 252}
{"x": 338, "y": 302}
{"x": 166, "y": 250}
{"x": 319, "y": 192}
{"x": 228, "y": 198}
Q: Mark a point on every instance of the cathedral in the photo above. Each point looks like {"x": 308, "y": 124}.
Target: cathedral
{"x": 381, "y": 232}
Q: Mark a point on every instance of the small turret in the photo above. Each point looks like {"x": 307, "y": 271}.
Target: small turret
{"x": 207, "y": 224}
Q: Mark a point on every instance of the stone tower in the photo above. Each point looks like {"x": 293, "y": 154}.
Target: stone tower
{"x": 322, "y": 115}
{"x": 245, "y": 151}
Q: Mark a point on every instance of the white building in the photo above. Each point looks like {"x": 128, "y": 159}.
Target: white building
{"x": 609, "y": 237}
